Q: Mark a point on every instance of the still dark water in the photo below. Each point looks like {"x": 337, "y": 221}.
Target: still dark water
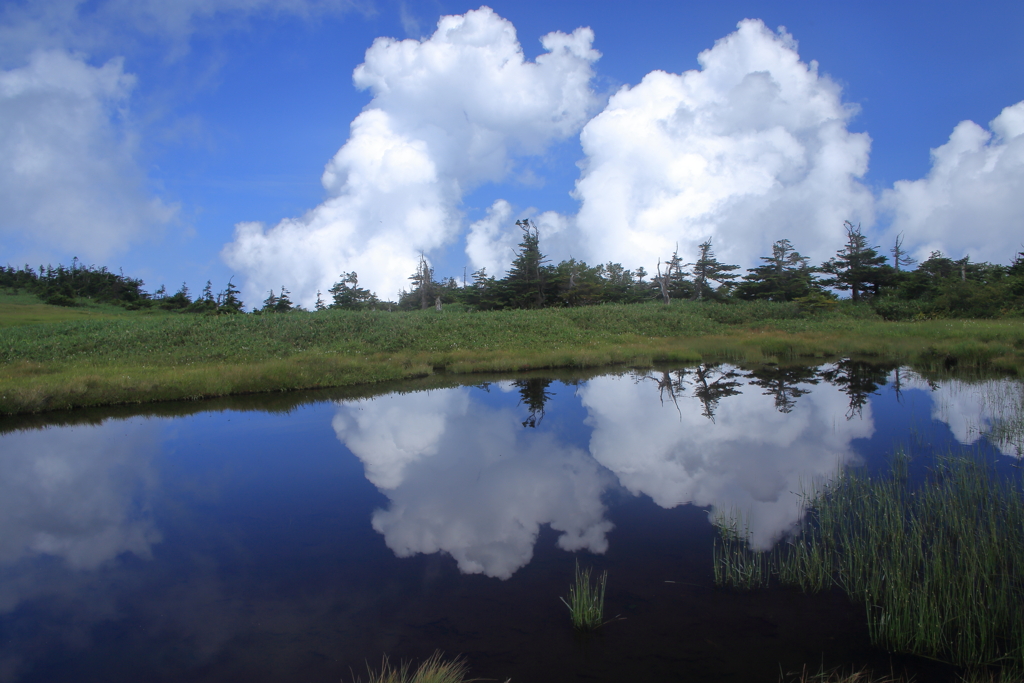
{"x": 297, "y": 538}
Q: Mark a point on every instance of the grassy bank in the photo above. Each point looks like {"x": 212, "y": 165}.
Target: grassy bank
{"x": 141, "y": 358}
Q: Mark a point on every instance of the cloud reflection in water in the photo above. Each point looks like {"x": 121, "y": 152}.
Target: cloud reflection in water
{"x": 973, "y": 409}
{"x": 77, "y": 494}
{"x": 752, "y": 459}
{"x": 469, "y": 480}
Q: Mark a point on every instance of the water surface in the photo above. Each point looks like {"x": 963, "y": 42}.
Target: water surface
{"x": 299, "y": 541}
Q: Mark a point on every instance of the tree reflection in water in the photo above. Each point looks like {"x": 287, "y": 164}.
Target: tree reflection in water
{"x": 533, "y": 392}
{"x": 710, "y": 382}
{"x": 784, "y": 383}
{"x": 858, "y": 380}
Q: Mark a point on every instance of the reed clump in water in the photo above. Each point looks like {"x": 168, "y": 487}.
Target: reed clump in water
{"x": 939, "y": 567}
{"x": 434, "y": 669}
{"x": 586, "y": 600}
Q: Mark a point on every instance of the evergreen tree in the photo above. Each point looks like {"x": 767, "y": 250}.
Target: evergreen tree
{"x": 709, "y": 269}
{"x": 228, "y": 301}
{"x": 527, "y": 275}
{"x": 482, "y": 291}
{"x": 205, "y": 302}
{"x": 784, "y": 276}
{"x": 574, "y": 283}
{"x": 856, "y": 267}
{"x": 283, "y": 304}
{"x": 270, "y": 303}
{"x": 319, "y": 305}
{"x": 179, "y": 301}
{"x": 347, "y": 294}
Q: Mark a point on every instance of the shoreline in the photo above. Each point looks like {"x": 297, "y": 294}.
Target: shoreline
{"x": 61, "y": 366}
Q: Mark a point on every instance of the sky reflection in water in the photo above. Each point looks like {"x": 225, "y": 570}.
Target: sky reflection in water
{"x": 200, "y": 527}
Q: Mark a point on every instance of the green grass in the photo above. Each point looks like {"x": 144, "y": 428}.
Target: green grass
{"x": 586, "y": 600}
{"x": 28, "y": 309}
{"x": 939, "y": 567}
{"x": 434, "y": 669}
{"x": 140, "y": 357}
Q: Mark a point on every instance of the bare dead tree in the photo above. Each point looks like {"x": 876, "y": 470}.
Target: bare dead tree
{"x": 899, "y": 256}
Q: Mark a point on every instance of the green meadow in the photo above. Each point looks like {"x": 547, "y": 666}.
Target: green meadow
{"x": 55, "y": 358}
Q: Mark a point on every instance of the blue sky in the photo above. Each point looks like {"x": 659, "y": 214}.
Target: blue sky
{"x": 141, "y": 135}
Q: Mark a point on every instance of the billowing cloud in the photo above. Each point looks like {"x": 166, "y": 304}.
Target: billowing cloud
{"x": 68, "y": 174}
{"x": 750, "y": 149}
{"x": 750, "y": 461}
{"x": 972, "y": 200}
{"x": 470, "y": 481}
{"x": 448, "y": 113}
{"x": 490, "y": 242}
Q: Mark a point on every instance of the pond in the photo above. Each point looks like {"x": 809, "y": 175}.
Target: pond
{"x": 299, "y": 537}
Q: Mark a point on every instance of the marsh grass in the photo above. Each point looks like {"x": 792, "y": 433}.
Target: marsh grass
{"x": 840, "y": 676}
{"x": 434, "y": 669}
{"x": 939, "y": 567}
{"x": 137, "y": 357}
{"x": 586, "y": 600}
{"x": 1004, "y": 675}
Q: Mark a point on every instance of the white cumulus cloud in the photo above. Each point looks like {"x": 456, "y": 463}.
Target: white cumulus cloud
{"x": 751, "y": 148}
{"x": 449, "y": 112}
{"x": 972, "y": 200}
{"x": 68, "y": 175}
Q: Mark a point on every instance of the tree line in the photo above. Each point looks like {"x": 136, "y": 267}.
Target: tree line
{"x": 937, "y": 287}
{"x": 74, "y": 284}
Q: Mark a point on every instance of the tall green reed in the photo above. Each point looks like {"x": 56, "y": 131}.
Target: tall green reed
{"x": 939, "y": 567}
{"x": 586, "y": 600}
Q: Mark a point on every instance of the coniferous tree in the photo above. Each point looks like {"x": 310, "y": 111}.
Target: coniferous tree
{"x": 709, "y": 269}
{"x": 347, "y": 294}
{"x": 784, "y": 276}
{"x": 205, "y": 302}
{"x": 179, "y": 301}
{"x": 270, "y": 303}
{"x": 526, "y": 277}
{"x": 483, "y": 291}
{"x": 283, "y": 304}
{"x": 857, "y": 267}
{"x": 228, "y": 301}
